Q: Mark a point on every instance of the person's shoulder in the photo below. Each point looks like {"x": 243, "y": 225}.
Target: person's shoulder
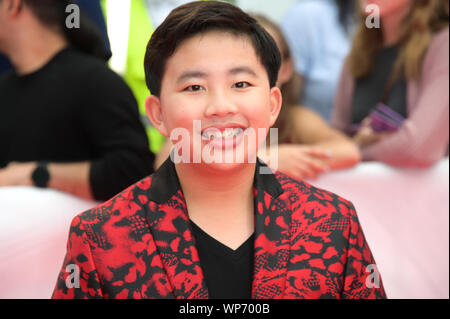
{"x": 308, "y": 201}
{"x": 442, "y": 35}
{"x": 6, "y": 77}
{"x": 307, "y": 7}
{"x": 95, "y": 79}
{"x": 439, "y": 42}
{"x": 305, "y": 17}
{"x": 87, "y": 67}
{"x": 436, "y": 58}
{"x": 128, "y": 204}
{"x": 313, "y": 5}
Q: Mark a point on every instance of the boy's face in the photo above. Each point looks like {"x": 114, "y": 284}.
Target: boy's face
{"x": 217, "y": 78}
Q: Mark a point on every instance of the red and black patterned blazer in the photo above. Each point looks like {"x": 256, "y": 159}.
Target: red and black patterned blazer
{"x": 308, "y": 244}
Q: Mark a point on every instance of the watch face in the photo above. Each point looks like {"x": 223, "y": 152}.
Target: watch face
{"x": 41, "y": 176}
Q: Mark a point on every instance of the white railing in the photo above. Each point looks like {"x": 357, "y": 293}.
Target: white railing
{"x": 404, "y": 214}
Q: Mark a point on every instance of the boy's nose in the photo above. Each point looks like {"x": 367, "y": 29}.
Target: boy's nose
{"x": 219, "y": 105}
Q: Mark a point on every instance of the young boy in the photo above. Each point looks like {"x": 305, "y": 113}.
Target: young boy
{"x": 217, "y": 230}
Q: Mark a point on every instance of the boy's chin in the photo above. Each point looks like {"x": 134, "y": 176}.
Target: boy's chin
{"x": 231, "y": 158}
{"x": 227, "y": 167}
{"x": 218, "y": 159}
{"x": 227, "y": 163}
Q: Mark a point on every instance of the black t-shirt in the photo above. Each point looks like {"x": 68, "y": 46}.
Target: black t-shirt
{"x": 370, "y": 89}
{"x": 228, "y": 273}
{"x": 75, "y": 109}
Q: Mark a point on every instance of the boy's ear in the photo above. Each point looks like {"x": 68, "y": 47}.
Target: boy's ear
{"x": 154, "y": 113}
{"x": 275, "y": 104}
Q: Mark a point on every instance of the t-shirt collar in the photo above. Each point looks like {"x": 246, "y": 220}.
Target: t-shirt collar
{"x": 165, "y": 182}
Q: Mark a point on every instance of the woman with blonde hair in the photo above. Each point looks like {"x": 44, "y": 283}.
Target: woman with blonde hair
{"x": 400, "y": 69}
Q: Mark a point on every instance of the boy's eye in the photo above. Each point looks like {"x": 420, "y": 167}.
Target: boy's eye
{"x": 241, "y": 85}
{"x": 193, "y": 88}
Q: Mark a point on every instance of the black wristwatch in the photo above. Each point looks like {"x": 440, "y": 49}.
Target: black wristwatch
{"x": 40, "y": 175}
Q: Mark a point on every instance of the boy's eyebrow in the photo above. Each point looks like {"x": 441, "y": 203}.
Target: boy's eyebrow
{"x": 191, "y": 74}
{"x": 199, "y": 74}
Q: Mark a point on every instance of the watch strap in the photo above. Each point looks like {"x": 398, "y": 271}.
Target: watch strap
{"x": 40, "y": 175}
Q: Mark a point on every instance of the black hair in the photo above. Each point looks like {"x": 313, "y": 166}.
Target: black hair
{"x": 86, "y": 38}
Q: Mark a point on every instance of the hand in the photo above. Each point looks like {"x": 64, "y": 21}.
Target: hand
{"x": 17, "y": 174}
{"x": 302, "y": 161}
{"x": 366, "y": 136}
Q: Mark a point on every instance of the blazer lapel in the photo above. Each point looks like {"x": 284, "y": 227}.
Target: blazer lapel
{"x": 272, "y": 240}
{"x": 169, "y": 225}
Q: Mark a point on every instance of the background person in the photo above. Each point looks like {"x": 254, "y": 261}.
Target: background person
{"x": 66, "y": 120}
{"x": 92, "y": 10}
{"x": 404, "y": 64}
{"x": 130, "y": 25}
{"x": 319, "y": 33}
{"x": 307, "y": 146}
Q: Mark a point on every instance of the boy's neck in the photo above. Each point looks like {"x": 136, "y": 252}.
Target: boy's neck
{"x": 216, "y": 197}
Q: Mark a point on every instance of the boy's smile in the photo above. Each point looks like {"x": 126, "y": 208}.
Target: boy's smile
{"x": 223, "y": 136}
{"x": 217, "y": 78}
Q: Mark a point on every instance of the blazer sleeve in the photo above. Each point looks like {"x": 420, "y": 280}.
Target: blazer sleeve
{"x": 78, "y": 278}
{"x": 361, "y": 278}
{"x": 423, "y": 138}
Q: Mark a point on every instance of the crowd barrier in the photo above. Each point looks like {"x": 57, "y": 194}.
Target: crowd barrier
{"x": 34, "y": 227}
{"x": 404, "y": 214}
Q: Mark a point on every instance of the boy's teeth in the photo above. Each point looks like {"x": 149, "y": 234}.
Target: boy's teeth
{"x": 215, "y": 135}
{"x": 227, "y": 133}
